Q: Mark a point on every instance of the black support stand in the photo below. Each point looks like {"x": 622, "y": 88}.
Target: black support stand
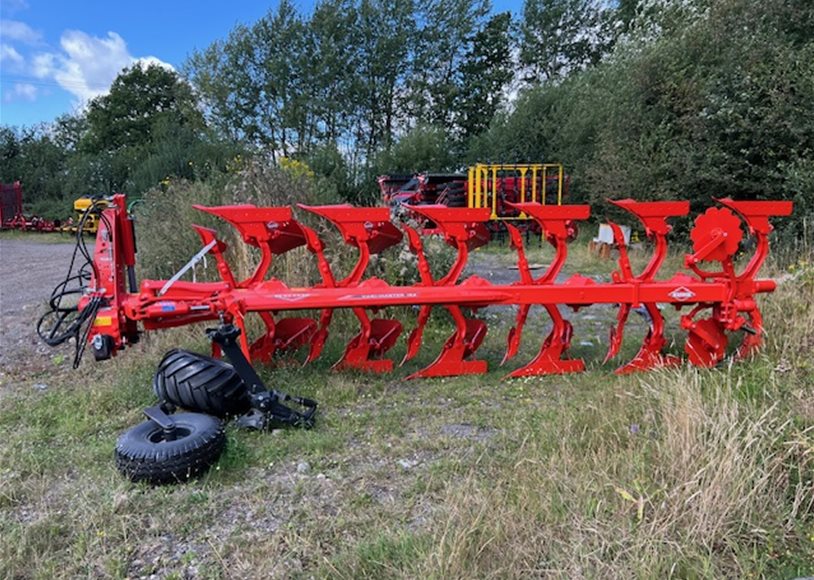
{"x": 267, "y": 404}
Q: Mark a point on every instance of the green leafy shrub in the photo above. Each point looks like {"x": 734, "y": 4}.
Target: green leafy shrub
{"x": 716, "y": 104}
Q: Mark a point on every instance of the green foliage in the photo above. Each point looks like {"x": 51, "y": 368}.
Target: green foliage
{"x": 34, "y": 157}
{"x": 268, "y": 83}
{"x": 356, "y": 73}
{"x": 147, "y": 129}
{"x": 51, "y": 208}
{"x": 164, "y": 246}
{"x": 485, "y": 72}
{"x": 444, "y": 47}
{"x": 180, "y": 152}
{"x": 720, "y": 106}
{"x": 517, "y": 137}
{"x": 424, "y": 148}
{"x": 143, "y": 130}
{"x": 560, "y": 36}
{"x": 141, "y": 101}
{"x": 385, "y": 35}
{"x": 332, "y": 171}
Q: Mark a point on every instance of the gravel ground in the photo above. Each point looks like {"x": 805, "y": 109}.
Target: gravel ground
{"x": 31, "y": 269}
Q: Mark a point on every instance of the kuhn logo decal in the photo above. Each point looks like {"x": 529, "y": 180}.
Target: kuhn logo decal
{"x": 682, "y": 294}
{"x": 291, "y": 297}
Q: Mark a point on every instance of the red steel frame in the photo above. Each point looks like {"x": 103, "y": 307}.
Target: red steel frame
{"x": 726, "y": 296}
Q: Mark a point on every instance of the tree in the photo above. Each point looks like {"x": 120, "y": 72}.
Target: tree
{"x": 330, "y": 62}
{"x": 32, "y": 156}
{"x": 714, "y": 105}
{"x": 626, "y": 13}
{"x": 140, "y": 98}
{"x": 227, "y": 81}
{"x": 145, "y": 105}
{"x": 269, "y": 84}
{"x": 440, "y": 49}
{"x": 563, "y": 36}
{"x": 9, "y": 155}
{"x": 385, "y": 32}
{"x": 485, "y": 72}
{"x": 424, "y": 148}
{"x": 277, "y": 56}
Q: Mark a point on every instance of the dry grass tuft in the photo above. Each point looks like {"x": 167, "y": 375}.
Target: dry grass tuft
{"x": 707, "y": 480}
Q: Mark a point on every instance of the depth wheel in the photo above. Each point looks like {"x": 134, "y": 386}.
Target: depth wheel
{"x": 201, "y": 383}
{"x": 144, "y": 453}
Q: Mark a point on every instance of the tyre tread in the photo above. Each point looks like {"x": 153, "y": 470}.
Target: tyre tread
{"x": 138, "y": 460}
{"x": 200, "y": 383}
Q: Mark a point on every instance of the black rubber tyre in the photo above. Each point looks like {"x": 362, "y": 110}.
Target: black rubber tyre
{"x": 201, "y": 383}
{"x": 456, "y": 199}
{"x": 143, "y": 453}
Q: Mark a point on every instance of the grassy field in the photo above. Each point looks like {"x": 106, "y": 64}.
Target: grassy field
{"x": 678, "y": 473}
{"x": 44, "y": 238}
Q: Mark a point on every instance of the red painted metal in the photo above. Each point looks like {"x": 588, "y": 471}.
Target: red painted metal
{"x": 12, "y": 216}
{"x": 555, "y": 221}
{"x": 11, "y": 203}
{"x": 31, "y": 223}
{"x": 721, "y": 301}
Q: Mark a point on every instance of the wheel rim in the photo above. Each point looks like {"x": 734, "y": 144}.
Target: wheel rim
{"x": 158, "y": 437}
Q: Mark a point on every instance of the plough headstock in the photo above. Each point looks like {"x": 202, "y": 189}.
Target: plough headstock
{"x": 726, "y": 298}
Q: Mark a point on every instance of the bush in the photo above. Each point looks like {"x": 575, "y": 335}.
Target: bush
{"x": 50, "y": 208}
{"x": 167, "y": 241}
{"x": 720, "y": 106}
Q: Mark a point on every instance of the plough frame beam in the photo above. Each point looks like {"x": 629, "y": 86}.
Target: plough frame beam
{"x": 726, "y": 296}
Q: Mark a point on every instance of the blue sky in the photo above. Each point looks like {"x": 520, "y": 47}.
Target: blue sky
{"x": 55, "y": 55}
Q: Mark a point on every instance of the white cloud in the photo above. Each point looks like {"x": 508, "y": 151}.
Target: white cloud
{"x": 21, "y": 91}
{"x": 9, "y": 55}
{"x": 87, "y": 64}
{"x": 43, "y": 65}
{"x": 19, "y": 31}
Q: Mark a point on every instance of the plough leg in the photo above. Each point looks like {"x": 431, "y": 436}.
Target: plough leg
{"x": 321, "y": 335}
{"x": 516, "y": 333}
{"x": 414, "y": 340}
{"x": 374, "y": 339}
{"x": 650, "y": 355}
{"x": 549, "y": 360}
{"x": 468, "y": 336}
{"x": 752, "y": 337}
{"x": 617, "y": 332}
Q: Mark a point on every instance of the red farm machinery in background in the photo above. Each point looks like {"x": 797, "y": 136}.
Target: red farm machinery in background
{"x": 12, "y": 216}
{"x": 497, "y": 187}
{"x": 11, "y": 201}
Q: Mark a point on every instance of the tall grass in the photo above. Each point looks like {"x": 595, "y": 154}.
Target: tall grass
{"x": 707, "y": 491}
{"x": 710, "y": 480}
{"x": 167, "y": 240}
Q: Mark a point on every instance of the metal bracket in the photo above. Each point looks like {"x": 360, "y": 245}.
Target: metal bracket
{"x": 161, "y": 415}
{"x": 264, "y": 400}
{"x": 254, "y": 420}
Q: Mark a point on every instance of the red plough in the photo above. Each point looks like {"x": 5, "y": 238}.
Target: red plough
{"x": 720, "y": 301}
